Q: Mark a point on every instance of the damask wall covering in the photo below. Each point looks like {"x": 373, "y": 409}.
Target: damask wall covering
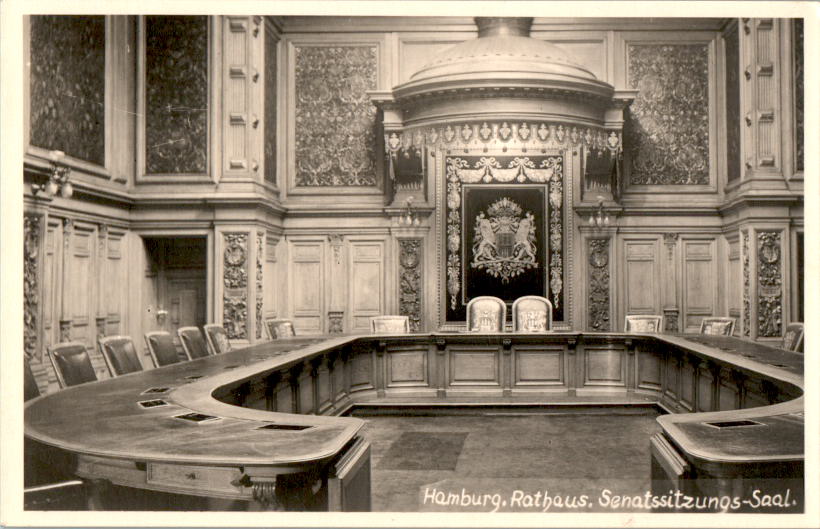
{"x": 270, "y": 105}
{"x": 667, "y": 135}
{"x": 67, "y": 85}
{"x": 176, "y": 94}
{"x": 335, "y": 120}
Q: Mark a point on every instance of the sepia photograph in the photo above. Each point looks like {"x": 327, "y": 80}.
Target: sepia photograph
{"x": 421, "y": 264}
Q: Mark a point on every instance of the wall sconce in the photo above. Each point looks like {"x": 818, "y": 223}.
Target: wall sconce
{"x": 57, "y": 180}
{"x": 409, "y": 217}
{"x": 600, "y": 218}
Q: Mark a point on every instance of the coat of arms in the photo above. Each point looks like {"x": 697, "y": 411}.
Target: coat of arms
{"x": 504, "y": 241}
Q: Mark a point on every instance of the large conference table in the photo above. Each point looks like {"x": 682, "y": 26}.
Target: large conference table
{"x": 266, "y": 425}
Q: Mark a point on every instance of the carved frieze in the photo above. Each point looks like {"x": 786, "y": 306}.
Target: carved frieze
{"x": 260, "y": 294}
{"x": 235, "y": 279}
{"x": 410, "y": 274}
{"x": 746, "y": 285}
{"x": 668, "y": 129}
{"x": 598, "y": 312}
{"x": 335, "y": 119}
{"x": 31, "y": 284}
{"x": 480, "y": 137}
{"x": 770, "y": 284}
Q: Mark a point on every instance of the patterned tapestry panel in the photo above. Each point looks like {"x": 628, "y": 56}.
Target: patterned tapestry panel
{"x": 504, "y": 230}
{"x": 733, "y": 166}
{"x": 335, "y": 121}
{"x": 176, "y": 94}
{"x": 667, "y": 133}
{"x": 798, "y": 93}
{"x": 68, "y": 85}
{"x": 270, "y": 106}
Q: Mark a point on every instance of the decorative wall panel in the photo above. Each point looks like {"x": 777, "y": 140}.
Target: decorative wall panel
{"x": 176, "y": 94}
{"x": 733, "y": 166}
{"x": 31, "y": 284}
{"x": 67, "y": 85}
{"x": 504, "y": 230}
{"x": 270, "y": 105}
{"x": 747, "y": 306}
{"x": 335, "y": 120}
{"x": 797, "y": 59}
{"x": 410, "y": 285}
{"x": 235, "y": 293}
{"x": 668, "y": 127}
{"x": 260, "y": 284}
{"x": 366, "y": 280}
{"x": 770, "y": 284}
{"x": 598, "y": 315}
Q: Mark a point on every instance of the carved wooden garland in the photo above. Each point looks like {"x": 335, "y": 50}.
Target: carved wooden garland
{"x": 598, "y": 308}
{"x": 235, "y": 298}
{"x": 410, "y": 300}
{"x": 31, "y": 284}
{"x": 260, "y": 295}
{"x": 770, "y": 292}
{"x": 746, "y": 285}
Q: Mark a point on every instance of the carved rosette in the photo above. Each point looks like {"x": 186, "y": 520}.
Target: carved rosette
{"x": 260, "y": 294}
{"x": 410, "y": 273}
{"x": 769, "y": 284}
{"x": 746, "y": 285}
{"x": 31, "y": 284}
{"x": 598, "y": 280}
{"x": 235, "y": 276}
{"x": 514, "y": 136}
{"x": 335, "y": 119}
{"x": 668, "y": 130}
{"x": 548, "y": 170}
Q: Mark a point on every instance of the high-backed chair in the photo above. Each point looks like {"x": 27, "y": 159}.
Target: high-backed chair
{"x": 30, "y": 389}
{"x": 793, "y": 337}
{"x": 279, "y": 329}
{"x": 486, "y": 314}
{"x": 120, "y": 355}
{"x": 71, "y": 363}
{"x": 217, "y": 338}
{"x": 390, "y": 324}
{"x": 643, "y": 323}
{"x": 532, "y": 314}
{"x": 192, "y": 342}
{"x": 720, "y": 326}
{"x": 161, "y": 347}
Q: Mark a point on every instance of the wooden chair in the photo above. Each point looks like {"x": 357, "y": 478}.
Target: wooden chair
{"x": 486, "y": 314}
{"x": 390, "y": 324}
{"x": 217, "y": 338}
{"x": 71, "y": 363}
{"x": 120, "y": 355}
{"x": 161, "y": 347}
{"x": 192, "y": 342}
{"x": 30, "y": 389}
{"x": 720, "y": 326}
{"x": 793, "y": 337}
{"x": 280, "y": 328}
{"x": 532, "y": 314}
{"x": 643, "y": 323}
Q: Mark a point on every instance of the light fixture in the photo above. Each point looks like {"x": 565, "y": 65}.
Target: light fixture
{"x": 409, "y": 217}
{"x": 599, "y": 218}
{"x": 57, "y": 180}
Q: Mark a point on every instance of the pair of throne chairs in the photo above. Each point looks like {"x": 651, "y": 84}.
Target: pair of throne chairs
{"x": 529, "y": 314}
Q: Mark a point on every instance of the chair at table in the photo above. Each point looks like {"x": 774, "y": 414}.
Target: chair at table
{"x": 486, "y": 314}
{"x": 120, "y": 355}
{"x": 390, "y": 324}
{"x": 532, "y": 314}
{"x": 720, "y": 326}
{"x": 193, "y": 343}
{"x": 643, "y": 323}
{"x": 279, "y": 329}
{"x": 71, "y": 363}
{"x": 161, "y": 347}
{"x": 793, "y": 337}
{"x": 217, "y": 338}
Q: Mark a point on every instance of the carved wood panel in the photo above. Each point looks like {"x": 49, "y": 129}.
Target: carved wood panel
{"x": 769, "y": 283}
{"x": 411, "y": 258}
{"x": 700, "y": 287}
{"x": 604, "y": 365}
{"x": 307, "y": 286}
{"x": 366, "y": 283}
{"x": 538, "y": 366}
{"x": 235, "y": 263}
{"x": 474, "y": 366}
{"x": 407, "y": 367}
{"x": 641, "y": 277}
{"x": 32, "y": 262}
{"x": 598, "y": 284}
